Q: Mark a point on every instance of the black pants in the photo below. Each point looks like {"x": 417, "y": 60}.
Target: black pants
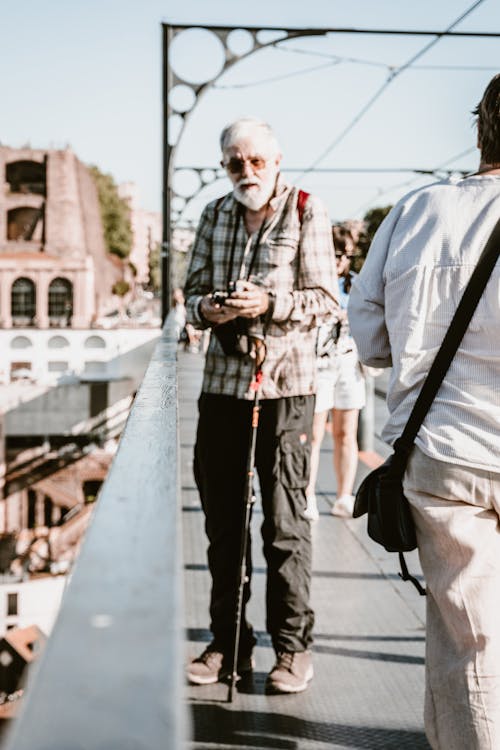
{"x": 282, "y": 463}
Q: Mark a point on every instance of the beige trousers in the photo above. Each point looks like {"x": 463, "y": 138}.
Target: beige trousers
{"x": 456, "y": 511}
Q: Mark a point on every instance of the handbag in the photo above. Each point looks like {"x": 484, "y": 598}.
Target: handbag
{"x": 380, "y": 495}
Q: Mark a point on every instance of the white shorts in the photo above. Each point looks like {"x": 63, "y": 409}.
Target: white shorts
{"x": 341, "y": 385}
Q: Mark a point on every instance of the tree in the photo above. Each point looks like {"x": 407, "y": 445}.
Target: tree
{"x": 371, "y": 220}
{"x": 120, "y": 288}
{"x": 115, "y": 214}
{"x": 155, "y": 268}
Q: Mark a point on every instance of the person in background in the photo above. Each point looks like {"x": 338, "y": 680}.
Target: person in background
{"x": 340, "y": 391}
{"x": 272, "y": 266}
{"x": 177, "y": 313}
{"x": 400, "y": 308}
{"x": 184, "y": 331}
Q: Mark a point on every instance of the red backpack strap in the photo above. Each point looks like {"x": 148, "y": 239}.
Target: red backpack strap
{"x": 301, "y": 203}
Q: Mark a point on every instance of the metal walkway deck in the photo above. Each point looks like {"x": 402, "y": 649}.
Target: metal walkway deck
{"x": 369, "y": 635}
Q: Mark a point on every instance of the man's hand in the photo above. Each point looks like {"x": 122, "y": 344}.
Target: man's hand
{"x": 248, "y": 301}
{"x": 215, "y": 313}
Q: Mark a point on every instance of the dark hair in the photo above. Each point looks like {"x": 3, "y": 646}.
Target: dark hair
{"x": 344, "y": 245}
{"x": 342, "y": 239}
{"x": 488, "y": 122}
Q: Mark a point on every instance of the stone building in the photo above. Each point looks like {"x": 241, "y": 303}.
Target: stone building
{"x": 54, "y": 268}
{"x": 146, "y": 231}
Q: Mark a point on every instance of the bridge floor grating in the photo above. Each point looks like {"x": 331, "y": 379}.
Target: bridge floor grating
{"x": 369, "y": 644}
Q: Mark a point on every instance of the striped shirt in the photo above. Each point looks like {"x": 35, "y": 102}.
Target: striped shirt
{"x": 402, "y": 303}
{"x": 295, "y": 262}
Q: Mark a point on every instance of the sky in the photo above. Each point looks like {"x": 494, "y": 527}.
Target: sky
{"x": 87, "y": 74}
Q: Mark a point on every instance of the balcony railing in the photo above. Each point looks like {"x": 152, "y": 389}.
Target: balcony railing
{"x": 110, "y": 675}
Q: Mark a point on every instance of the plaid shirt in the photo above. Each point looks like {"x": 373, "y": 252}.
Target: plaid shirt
{"x": 295, "y": 262}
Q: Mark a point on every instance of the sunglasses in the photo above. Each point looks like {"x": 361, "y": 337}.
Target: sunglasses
{"x": 236, "y": 166}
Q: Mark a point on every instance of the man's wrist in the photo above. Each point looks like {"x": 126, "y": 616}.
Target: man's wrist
{"x": 268, "y": 315}
{"x": 198, "y": 312}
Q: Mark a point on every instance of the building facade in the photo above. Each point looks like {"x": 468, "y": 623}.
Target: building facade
{"x": 146, "y": 231}
{"x": 54, "y": 268}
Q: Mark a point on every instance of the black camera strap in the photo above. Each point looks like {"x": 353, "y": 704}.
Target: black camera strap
{"x": 302, "y": 197}
{"x": 255, "y": 247}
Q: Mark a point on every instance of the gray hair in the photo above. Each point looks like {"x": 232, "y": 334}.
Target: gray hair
{"x": 247, "y": 127}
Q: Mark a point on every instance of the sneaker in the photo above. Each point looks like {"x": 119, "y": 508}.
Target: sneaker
{"x": 343, "y": 506}
{"x": 291, "y": 673}
{"x": 212, "y": 666}
{"x": 311, "y": 512}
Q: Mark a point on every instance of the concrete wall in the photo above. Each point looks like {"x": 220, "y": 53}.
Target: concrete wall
{"x": 89, "y": 353}
{"x": 38, "y": 602}
{"x": 75, "y": 409}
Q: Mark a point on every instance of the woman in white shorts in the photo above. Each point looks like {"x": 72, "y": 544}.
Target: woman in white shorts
{"x": 341, "y": 390}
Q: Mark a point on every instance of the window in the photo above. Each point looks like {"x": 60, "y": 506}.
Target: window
{"x": 12, "y": 604}
{"x": 94, "y": 342}
{"x": 91, "y": 489}
{"x": 31, "y": 509}
{"x": 58, "y": 342}
{"x": 20, "y": 371}
{"x": 57, "y": 366}
{"x": 60, "y": 301}
{"x": 24, "y": 223}
{"x": 23, "y": 302}
{"x": 26, "y": 177}
{"x": 21, "y": 342}
{"x": 48, "y": 507}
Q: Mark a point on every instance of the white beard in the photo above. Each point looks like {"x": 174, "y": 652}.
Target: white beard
{"x": 257, "y": 197}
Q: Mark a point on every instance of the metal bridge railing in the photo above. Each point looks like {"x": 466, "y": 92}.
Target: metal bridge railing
{"x": 110, "y": 677}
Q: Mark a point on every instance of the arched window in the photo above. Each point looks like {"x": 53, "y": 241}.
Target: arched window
{"x": 24, "y": 223}
{"x": 60, "y": 302}
{"x": 21, "y": 342}
{"x": 94, "y": 342}
{"x": 23, "y": 302}
{"x": 58, "y": 342}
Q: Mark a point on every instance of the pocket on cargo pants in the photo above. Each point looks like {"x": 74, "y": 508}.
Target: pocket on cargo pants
{"x": 295, "y": 460}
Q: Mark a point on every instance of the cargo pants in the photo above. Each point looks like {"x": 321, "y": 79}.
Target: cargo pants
{"x": 282, "y": 462}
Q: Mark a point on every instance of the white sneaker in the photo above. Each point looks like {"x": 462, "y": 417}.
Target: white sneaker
{"x": 343, "y": 506}
{"x": 311, "y": 512}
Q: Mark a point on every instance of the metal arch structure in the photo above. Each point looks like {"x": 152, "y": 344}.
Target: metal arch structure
{"x": 220, "y": 174}
{"x": 171, "y": 80}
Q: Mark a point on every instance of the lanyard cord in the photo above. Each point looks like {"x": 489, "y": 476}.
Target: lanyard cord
{"x": 255, "y": 248}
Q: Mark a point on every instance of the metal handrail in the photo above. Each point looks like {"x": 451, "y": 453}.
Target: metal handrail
{"x": 110, "y": 675}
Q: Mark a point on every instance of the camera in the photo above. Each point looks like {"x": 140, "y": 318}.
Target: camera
{"x": 237, "y": 337}
{"x": 219, "y": 296}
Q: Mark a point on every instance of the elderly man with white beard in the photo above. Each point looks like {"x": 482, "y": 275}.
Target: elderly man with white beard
{"x": 266, "y": 251}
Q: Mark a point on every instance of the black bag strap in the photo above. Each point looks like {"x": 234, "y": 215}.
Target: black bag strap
{"x": 451, "y": 342}
{"x": 405, "y": 575}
